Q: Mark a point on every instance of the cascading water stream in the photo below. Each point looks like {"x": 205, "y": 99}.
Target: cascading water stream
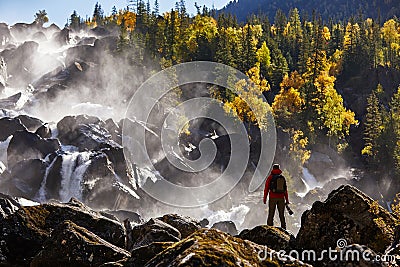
{"x": 310, "y": 182}
{"x": 74, "y": 166}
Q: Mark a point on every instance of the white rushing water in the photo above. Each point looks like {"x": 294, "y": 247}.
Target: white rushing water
{"x": 74, "y": 166}
{"x": 41, "y": 194}
{"x": 236, "y": 214}
{"x": 3, "y": 150}
{"x": 310, "y": 182}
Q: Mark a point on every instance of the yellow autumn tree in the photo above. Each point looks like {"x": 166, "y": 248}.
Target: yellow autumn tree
{"x": 250, "y": 95}
{"x": 288, "y": 104}
{"x": 128, "y": 18}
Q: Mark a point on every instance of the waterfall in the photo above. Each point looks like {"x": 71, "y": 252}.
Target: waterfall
{"x": 3, "y": 150}
{"x": 74, "y": 166}
{"x": 310, "y": 182}
{"x": 41, "y": 194}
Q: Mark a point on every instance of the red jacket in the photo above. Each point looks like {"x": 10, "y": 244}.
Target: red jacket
{"x": 272, "y": 194}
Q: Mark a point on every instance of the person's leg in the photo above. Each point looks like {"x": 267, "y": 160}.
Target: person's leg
{"x": 281, "y": 209}
{"x": 271, "y": 211}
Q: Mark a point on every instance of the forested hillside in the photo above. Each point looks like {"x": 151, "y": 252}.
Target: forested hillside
{"x": 334, "y": 9}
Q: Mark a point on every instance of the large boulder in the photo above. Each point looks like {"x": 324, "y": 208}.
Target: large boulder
{"x": 141, "y": 255}
{"x": 228, "y": 227}
{"x": 72, "y": 245}
{"x": 31, "y": 123}
{"x": 210, "y": 247}
{"x": 185, "y": 225}
{"x": 273, "y": 237}
{"x": 347, "y": 214}
{"x": 26, "y": 178}
{"x": 152, "y": 231}
{"x": 62, "y": 37}
{"x": 122, "y": 215}
{"x": 10, "y": 102}
{"x": 25, "y": 145}
{"x": 24, "y": 232}
{"x": 21, "y": 64}
{"x": 85, "y": 132}
{"x": 9, "y": 126}
{"x": 5, "y": 35}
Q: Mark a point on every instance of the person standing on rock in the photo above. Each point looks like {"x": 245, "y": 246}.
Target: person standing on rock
{"x": 275, "y": 186}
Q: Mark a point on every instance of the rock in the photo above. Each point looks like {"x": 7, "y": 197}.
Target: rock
{"x": 113, "y": 128}
{"x": 141, "y": 255}
{"x": 81, "y": 53}
{"x": 39, "y": 37}
{"x": 32, "y": 124}
{"x": 61, "y": 38}
{"x": 84, "y": 132}
{"x": 100, "y": 32}
{"x": 8, "y": 206}
{"x": 210, "y": 247}
{"x": 228, "y": 227}
{"x": 204, "y": 223}
{"x": 104, "y": 189}
{"x": 316, "y": 194}
{"x": 5, "y": 35}
{"x": 368, "y": 260}
{"x": 25, "y": 231}
{"x": 44, "y": 131}
{"x": 21, "y": 64}
{"x": 27, "y": 176}
{"x": 9, "y": 126}
{"x": 117, "y": 157}
{"x": 72, "y": 245}
{"x": 53, "y": 179}
{"x": 25, "y": 145}
{"x": 87, "y": 41}
{"x": 185, "y": 225}
{"x": 152, "y": 231}
{"x": 347, "y": 214}
{"x": 122, "y": 215}
{"x": 49, "y": 31}
{"x": 10, "y": 102}
{"x": 273, "y": 237}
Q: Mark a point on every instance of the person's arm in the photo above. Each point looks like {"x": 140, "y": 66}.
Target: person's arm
{"x": 266, "y": 190}
{"x": 287, "y": 197}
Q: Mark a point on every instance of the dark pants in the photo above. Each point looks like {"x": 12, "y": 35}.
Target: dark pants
{"x": 273, "y": 203}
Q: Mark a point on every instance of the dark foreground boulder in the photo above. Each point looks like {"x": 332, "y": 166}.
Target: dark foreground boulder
{"x": 152, "y": 231}
{"x": 72, "y": 245}
{"x": 8, "y": 206}
{"x": 24, "y": 232}
{"x": 347, "y": 214}
{"x": 272, "y": 237}
{"x": 210, "y": 247}
{"x": 185, "y": 225}
{"x": 141, "y": 255}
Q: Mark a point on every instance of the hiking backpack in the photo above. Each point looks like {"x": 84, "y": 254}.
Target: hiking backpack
{"x": 278, "y": 184}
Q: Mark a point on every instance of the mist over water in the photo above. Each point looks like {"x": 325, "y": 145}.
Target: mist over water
{"x": 84, "y": 76}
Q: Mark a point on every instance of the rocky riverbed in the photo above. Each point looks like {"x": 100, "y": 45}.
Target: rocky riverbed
{"x": 73, "y": 234}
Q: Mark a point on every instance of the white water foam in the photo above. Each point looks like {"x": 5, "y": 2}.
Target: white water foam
{"x": 41, "y": 194}
{"x": 236, "y": 214}
{"x": 73, "y": 168}
{"x": 3, "y": 150}
{"x": 310, "y": 182}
